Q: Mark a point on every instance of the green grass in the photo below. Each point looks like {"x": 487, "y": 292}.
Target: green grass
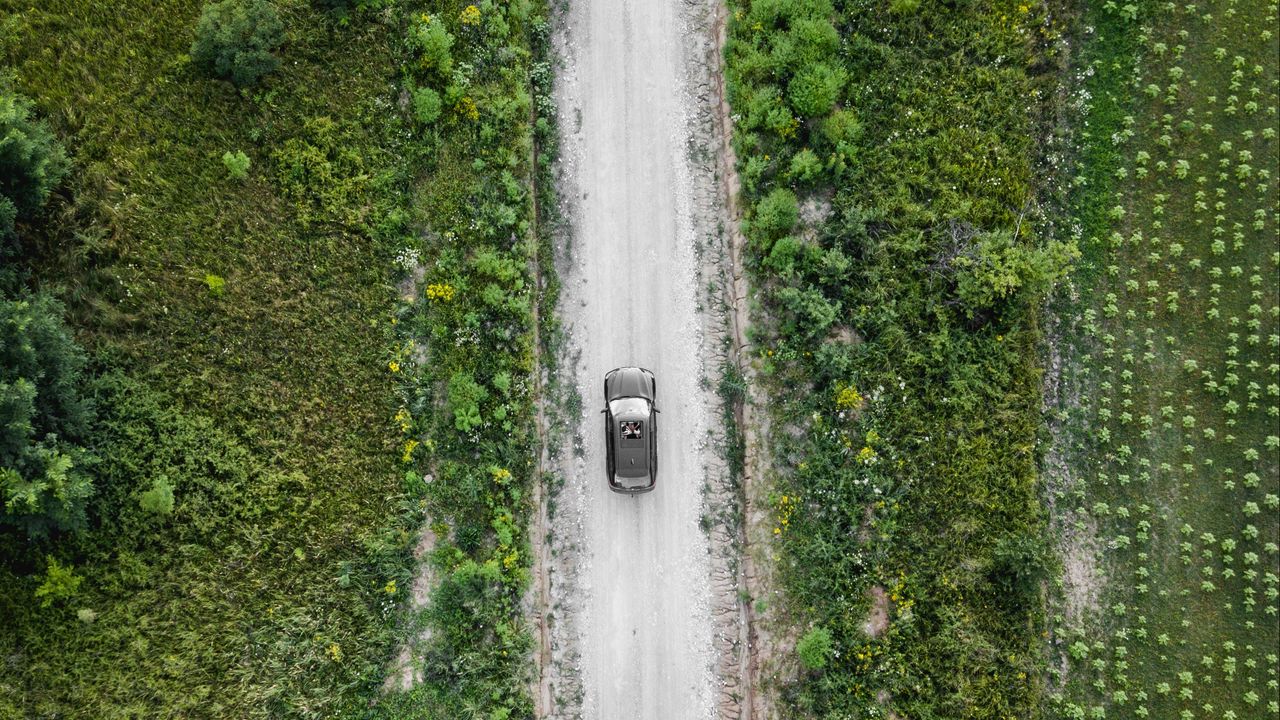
{"x": 1174, "y": 434}
{"x": 268, "y": 401}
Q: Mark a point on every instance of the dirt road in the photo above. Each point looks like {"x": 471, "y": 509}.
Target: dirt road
{"x": 632, "y": 580}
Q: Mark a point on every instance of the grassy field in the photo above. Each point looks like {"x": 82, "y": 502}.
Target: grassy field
{"x": 1168, "y": 416}
{"x": 247, "y": 349}
{"x": 886, "y": 153}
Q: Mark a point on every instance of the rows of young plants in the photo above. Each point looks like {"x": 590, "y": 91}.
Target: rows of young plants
{"x": 885, "y": 152}
{"x": 1169, "y": 411}
{"x": 211, "y": 509}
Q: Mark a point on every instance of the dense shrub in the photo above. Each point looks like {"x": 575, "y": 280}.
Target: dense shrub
{"x": 32, "y": 163}
{"x": 43, "y": 418}
{"x": 322, "y": 173}
{"x": 810, "y": 40}
{"x": 776, "y": 215}
{"x": 434, "y": 43}
{"x": 465, "y": 395}
{"x": 1019, "y": 564}
{"x": 426, "y": 105}
{"x": 814, "y": 90}
{"x": 805, "y": 166}
{"x": 60, "y": 583}
{"x": 235, "y": 38}
{"x": 814, "y": 648}
{"x": 992, "y": 266}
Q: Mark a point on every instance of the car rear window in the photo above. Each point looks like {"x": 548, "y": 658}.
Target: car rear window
{"x": 631, "y": 429}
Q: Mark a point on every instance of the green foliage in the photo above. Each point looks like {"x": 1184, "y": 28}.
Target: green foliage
{"x": 43, "y": 419}
{"x": 426, "y": 105}
{"x": 235, "y": 39}
{"x": 158, "y": 500}
{"x": 1019, "y": 564}
{"x": 805, "y": 166}
{"x": 434, "y": 44}
{"x": 903, "y": 7}
{"x": 237, "y": 164}
{"x": 216, "y": 284}
{"x": 465, "y": 395}
{"x": 60, "y": 583}
{"x": 323, "y": 173}
{"x": 775, "y": 215}
{"x": 992, "y": 266}
{"x": 814, "y": 648}
{"x": 814, "y": 89}
{"x": 32, "y": 163}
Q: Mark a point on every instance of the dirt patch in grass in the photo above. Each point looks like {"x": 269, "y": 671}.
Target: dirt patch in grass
{"x": 878, "y": 620}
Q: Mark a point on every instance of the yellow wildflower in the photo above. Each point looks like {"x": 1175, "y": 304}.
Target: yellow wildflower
{"x": 470, "y": 15}
{"x": 334, "y": 651}
{"x": 440, "y": 291}
{"x": 466, "y": 107}
{"x": 390, "y": 587}
{"x": 409, "y": 447}
{"x": 848, "y": 398}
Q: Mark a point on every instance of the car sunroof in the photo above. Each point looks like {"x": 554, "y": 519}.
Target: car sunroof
{"x": 631, "y": 429}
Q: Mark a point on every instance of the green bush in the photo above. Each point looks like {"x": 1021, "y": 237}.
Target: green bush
{"x": 992, "y": 266}
{"x": 322, "y": 173}
{"x": 776, "y": 215}
{"x": 43, "y": 418}
{"x": 216, "y": 283}
{"x": 814, "y": 90}
{"x": 810, "y": 40}
{"x": 60, "y": 583}
{"x": 814, "y": 648}
{"x": 237, "y": 164}
{"x": 8, "y": 218}
{"x": 805, "y": 166}
{"x": 1019, "y": 564}
{"x": 159, "y": 499}
{"x": 465, "y": 395}
{"x": 32, "y": 162}
{"x": 426, "y": 105}
{"x": 434, "y": 44}
{"x": 234, "y": 40}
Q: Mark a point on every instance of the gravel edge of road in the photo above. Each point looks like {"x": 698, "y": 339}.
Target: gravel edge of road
{"x": 763, "y": 662}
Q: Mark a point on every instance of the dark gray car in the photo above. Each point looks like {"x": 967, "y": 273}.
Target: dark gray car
{"x": 631, "y": 429}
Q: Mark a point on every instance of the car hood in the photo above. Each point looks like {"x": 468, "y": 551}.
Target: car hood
{"x": 627, "y": 382}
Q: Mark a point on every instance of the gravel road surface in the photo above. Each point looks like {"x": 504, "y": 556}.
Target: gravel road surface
{"x": 632, "y": 592}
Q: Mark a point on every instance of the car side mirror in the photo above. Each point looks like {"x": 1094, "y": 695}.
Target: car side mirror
{"x": 604, "y": 409}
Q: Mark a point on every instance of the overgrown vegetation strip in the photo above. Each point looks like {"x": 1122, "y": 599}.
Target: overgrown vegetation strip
{"x": 885, "y": 153}
{"x": 471, "y": 359}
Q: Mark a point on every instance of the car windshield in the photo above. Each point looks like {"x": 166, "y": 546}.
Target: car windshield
{"x": 631, "y": 429}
